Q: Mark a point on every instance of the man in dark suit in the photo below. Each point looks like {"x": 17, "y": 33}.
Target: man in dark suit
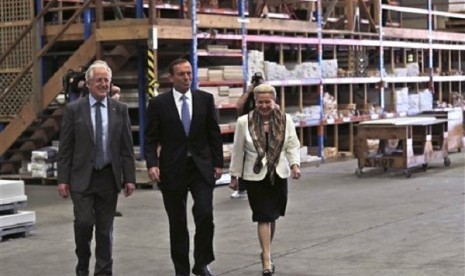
{"x": 183, "y": 150}
{"x": 95, "y": 160}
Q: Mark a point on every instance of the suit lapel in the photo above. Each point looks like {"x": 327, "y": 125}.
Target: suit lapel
{"x": 85, "y": 113}
{"x": 195, "y": 105}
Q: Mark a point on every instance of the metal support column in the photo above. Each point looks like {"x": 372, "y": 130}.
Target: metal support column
{"x": 181, "y": 9}
{"x": 140, "y": 9}
{"x": 141, "y": 61}
{"x": 194, "y": 84}
{"x": 320, "y": 86}
{"x": 381, "y": 55}
{"x": 430, "y": 40}
{"x": 245, "y": 77}
{"x": 87, "y": 23}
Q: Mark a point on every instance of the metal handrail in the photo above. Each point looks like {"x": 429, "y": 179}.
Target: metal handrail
{"x": 44, "y": 49}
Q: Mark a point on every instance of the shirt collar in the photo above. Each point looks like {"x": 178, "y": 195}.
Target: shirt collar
{"x": 92, "y": 101}
{"x": 177, "y": 95}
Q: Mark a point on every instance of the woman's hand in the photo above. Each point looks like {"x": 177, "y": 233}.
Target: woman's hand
{"x": 234, "y": 183}
{"x": 295, "y": 171}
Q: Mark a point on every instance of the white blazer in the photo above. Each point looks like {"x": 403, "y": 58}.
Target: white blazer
{"x": 243, "y": 144}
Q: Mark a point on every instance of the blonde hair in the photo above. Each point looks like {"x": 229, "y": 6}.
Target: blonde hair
{"x": 264, "y": 88}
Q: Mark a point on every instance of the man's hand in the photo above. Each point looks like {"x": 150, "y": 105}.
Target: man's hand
{"x": 218, "y": 173}
{"x": 129, "y": 189}
{"x": 154, "y": 174}
{"x": 63, "y": 190}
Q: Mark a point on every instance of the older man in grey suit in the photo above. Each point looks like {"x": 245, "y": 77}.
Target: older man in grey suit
{"x": 96, "y": 160}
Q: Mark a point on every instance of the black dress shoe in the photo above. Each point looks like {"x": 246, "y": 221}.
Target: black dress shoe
{"x": 267, "y": 272}
{"x": 202, "y": 271}
{"x": 82, "y": 273}
{"x": 118, "y": 214}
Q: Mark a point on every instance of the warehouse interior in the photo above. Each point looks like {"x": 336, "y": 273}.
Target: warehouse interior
{"x": 375, "y": 88}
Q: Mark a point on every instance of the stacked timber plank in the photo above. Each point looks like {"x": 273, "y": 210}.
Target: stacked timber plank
{"x": 12, "y": 220}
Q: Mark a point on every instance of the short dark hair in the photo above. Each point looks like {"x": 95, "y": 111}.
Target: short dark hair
{"x": 174, "y": 63}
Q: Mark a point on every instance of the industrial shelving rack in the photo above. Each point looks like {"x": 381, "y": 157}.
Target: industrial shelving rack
{"x": 424, "y": 46}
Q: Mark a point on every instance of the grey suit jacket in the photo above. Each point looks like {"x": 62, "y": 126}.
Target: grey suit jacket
{"x": 77, "y": 145}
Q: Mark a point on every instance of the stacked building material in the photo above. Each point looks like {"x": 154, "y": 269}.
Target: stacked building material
{"x": 232, "y": 72}
{"x": 255, "y": 63}
{"x": 329, "y": 106}
{"x": 13, "y": 221}
{"x": 43, "y": 162}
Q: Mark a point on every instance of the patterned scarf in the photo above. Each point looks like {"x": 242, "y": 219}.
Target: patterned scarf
{"x": 271, "y": 146}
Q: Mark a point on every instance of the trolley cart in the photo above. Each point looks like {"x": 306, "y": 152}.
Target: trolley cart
{"x": 418, "y": 140}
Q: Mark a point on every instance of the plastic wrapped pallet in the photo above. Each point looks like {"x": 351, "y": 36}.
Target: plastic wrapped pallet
{"x": 255, "y": 60}
{"x": 426, "y": 100}
{"x": 329, "y": 106}
{"x": 308, "y": 70}
{"x": 43, "y": 162}
{"x": 413, "y": 104}
{"x": 329, "y": 68}
{"x": 312, "y": 112}
{"x": 413, "y": 69}
{"x": 401, "y": 100}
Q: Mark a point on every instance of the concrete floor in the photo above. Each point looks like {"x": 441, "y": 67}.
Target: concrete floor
{"x": 336, "y": 224}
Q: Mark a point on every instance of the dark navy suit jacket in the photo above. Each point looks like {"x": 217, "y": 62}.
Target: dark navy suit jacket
{"x": 164, "y": 129}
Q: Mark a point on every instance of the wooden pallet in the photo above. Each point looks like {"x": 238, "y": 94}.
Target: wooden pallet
{"x": 19, "y": 230}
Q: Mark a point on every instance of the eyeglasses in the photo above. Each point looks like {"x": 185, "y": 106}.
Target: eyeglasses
{"x": 101, "y": 80}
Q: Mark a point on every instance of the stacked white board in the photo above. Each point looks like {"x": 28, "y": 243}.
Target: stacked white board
{"x": 12, "y": 220}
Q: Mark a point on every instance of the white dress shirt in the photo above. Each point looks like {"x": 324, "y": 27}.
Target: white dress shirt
{"x": 177, "y": 99}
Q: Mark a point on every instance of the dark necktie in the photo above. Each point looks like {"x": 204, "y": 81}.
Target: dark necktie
{"x": 185, "y": 116}
{"x": 98, "y": 136}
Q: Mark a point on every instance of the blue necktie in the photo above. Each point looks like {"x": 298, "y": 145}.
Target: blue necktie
{"x": 185, "y": 116}
{"x": 98, "y": 136}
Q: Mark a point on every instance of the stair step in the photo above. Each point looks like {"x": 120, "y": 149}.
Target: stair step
{"x": 17, "y": 150}
{"x": 30, "y": 139}
{"x": 11, "y": 160}
{"x": 41, "y": 127}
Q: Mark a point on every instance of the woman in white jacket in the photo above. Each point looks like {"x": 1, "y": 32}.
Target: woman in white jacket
{"x": 264, "y": 154}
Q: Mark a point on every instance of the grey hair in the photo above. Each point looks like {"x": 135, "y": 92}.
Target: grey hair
{"x": 264, "y": 88}
{"x": 97, "y": 64}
